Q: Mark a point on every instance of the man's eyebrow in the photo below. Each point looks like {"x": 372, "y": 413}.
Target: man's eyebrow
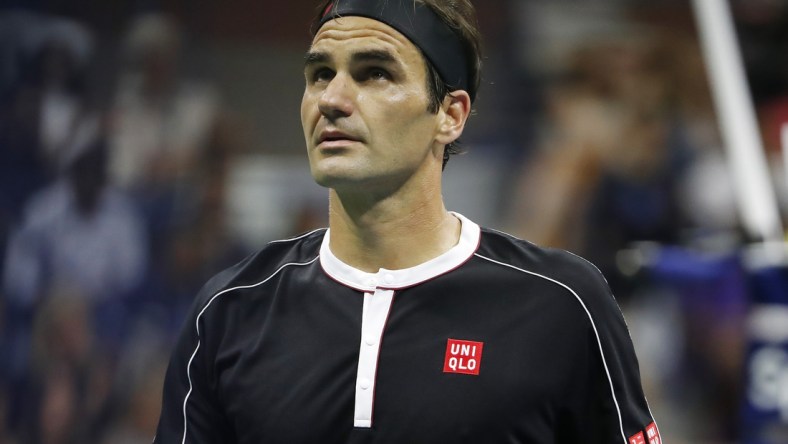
{"x": 373, "y": 55}
{"x": 315, "y": 58}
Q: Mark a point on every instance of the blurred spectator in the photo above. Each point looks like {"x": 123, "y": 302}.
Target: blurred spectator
{"x": 58, "y": 73}
{"x": 42, "y": 103}
{"x": 167, "y": 131}
{"x": 170, "y": 144}
{"x": 69, "y": 388}
{"x": 77, "y": 235}
{"x": 77, "y": 232}
{"x": 606, "y": 173}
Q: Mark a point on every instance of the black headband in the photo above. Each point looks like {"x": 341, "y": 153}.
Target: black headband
{"x": 422, "y": 26}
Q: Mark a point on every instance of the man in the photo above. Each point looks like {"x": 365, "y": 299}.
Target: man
{"x": 402, "y": 323}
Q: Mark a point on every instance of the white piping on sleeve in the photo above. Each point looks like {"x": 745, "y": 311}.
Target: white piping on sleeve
{"x": 186, "y": 398}
{"x": 197, "y": 327}
{"x": 290, "y": 239}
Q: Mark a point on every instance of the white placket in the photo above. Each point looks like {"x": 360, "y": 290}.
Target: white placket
{"x": 374, "y": 315}
{"x": 377, "y": 303}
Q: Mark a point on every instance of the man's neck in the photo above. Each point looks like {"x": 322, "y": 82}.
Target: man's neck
{"x": 391, "y": 233}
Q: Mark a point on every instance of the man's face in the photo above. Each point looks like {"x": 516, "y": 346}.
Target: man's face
{"x": 364, "y": 109}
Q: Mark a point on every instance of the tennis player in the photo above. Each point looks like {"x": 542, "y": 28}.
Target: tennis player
{"x": 402, "y": 322}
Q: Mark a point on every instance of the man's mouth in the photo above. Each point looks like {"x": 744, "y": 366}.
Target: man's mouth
{"x": 333, "y": 138}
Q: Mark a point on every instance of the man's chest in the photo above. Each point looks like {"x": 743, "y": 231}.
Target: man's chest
{"x": 447, "y": 364}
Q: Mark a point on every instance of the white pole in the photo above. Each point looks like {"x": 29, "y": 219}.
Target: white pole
{"x": 754, "y": 192}
{"x": 784, "y": 152}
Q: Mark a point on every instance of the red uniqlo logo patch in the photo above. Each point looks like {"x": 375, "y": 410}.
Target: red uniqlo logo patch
{"x": 463, "y": 357}
{"x": 637, "y": 438}
{"x": 652, "y": 433}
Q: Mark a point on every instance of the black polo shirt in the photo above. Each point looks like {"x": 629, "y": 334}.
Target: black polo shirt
{"x": 495, "y": 341}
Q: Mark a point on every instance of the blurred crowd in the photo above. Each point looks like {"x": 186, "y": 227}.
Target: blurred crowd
{"x": 110, "y": 222}
{"x": 115, "y": 203}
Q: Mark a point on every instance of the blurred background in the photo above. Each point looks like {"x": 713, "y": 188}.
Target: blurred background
{"x": 146, "y": 145}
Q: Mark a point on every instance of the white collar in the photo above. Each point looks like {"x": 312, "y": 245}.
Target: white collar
{"x": 407, "y": 277}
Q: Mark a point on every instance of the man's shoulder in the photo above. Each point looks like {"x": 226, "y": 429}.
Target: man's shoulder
{"x": 265, "y": 263}
{"x": 561, "y": 267}
{"x": 566, "y": 272}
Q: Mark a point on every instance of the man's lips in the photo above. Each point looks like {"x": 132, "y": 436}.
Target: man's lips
{"x": 336, "y": 139}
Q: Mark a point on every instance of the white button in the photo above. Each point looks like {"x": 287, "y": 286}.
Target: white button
{"x": 372, "y": 282}
{"x": 364, "y": 384}
{"x": 370, "y": 340}
{"x": 389, "y": 278}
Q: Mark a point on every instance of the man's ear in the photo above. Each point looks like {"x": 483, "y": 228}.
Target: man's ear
{"x": 454, "y": 111}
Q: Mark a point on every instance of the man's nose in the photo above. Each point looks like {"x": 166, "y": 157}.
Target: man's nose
{"x": 337, "y": 98}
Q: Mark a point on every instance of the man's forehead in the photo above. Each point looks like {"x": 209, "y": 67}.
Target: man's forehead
{"x": 356, "y": 34}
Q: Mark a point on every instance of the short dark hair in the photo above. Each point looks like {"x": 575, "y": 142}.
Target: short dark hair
{"x": 460, "y": 15}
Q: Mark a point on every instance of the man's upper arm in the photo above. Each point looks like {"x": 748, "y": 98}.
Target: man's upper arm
{"x": 190, "y": 410}
{"x": 618, "y": 391}
{"x": 611, "y": 406}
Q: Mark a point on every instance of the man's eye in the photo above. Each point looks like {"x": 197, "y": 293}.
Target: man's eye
{"x": 378, "y": 74}
{"x": 322, "y": 75}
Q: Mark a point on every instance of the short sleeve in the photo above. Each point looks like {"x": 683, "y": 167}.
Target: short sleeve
{"x": 191, "y": 411}
{"x": 613, "y": 407}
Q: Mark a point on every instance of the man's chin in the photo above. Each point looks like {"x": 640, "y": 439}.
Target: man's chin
{"x": 347, "y": 184}
{"x": 333, "y": 173}
{"x": 338, "y": 182}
